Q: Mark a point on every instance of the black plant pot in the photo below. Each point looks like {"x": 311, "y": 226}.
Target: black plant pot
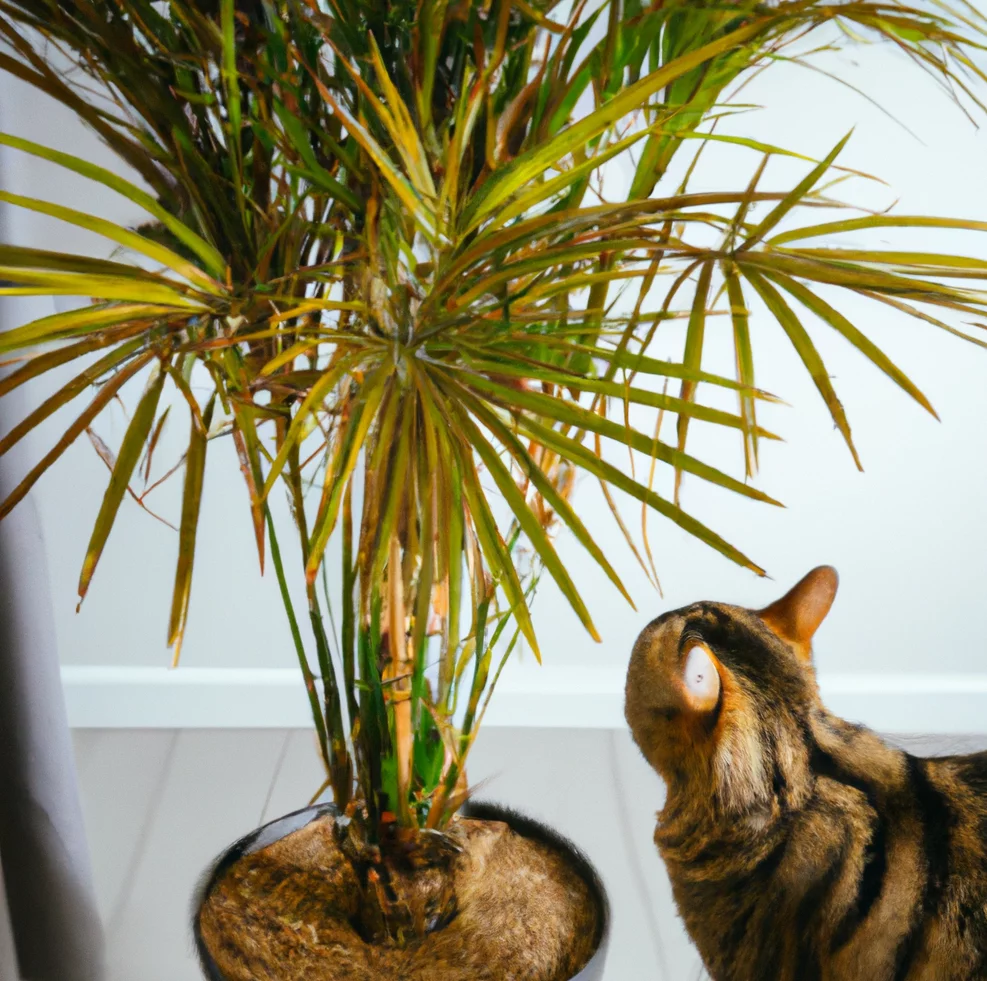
{"x": 522, "y": 825}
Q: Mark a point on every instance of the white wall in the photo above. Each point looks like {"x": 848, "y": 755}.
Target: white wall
{"x": 909, "y": 536}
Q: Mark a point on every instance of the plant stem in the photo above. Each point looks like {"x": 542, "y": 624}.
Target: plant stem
{"x": 340, "y": 771}
{"x": 374, "y": 741}
{"x": 455, "y": 573}
{"x": 403, "y": 737}
{"x": 348, "y": 638}
{"x": 296, "y": 636}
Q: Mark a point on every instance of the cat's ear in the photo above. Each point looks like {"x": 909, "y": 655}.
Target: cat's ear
{"x": 700, "y": 679}
{"x": 797, "y": 615}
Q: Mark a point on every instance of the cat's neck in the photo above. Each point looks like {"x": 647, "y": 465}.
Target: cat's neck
{"x": 757, "y": 781}
{"x": 853, "y": 754}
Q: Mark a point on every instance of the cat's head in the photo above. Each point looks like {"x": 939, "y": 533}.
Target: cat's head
{"x": 716, "y": 692}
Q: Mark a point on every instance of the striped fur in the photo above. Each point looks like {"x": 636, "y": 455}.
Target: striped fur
{"x": 801, "y": 847}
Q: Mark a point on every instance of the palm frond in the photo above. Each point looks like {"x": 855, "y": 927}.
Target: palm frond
{"x": 378, "y": 237}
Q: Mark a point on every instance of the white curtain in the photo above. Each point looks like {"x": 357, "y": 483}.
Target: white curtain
{"x": 48, "y": 919}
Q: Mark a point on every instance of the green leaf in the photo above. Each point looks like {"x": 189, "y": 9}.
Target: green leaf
{"x": 312, "y": 403}
{"x": 806, "y": 350}
{"x": 579, "y": 455}
{"x": 549, "y": 258}
{"x": 636, "y": 396}
{"x": 491, "y": 243}
{"x": 103, "y": 287}
{"x": 130, "y": 451}
{"x": 771, "y": 149}
{"x": 693, "y": 356}
{"x": 573, "y": 414}
{"x": 429, "y": 753}
{"x": 38, "y": 364}
{"x": 922, "y": 315}
{"x": 862, "y": 343}
{"x": 400, "y": 126}
{"x": 248, "y": 452}
{"x": 499, "y": 188}
{"x": 522, "y": 204}
{"x": 314, "y": 171}
{"x": 116, "y": 233}
{"x": 214, "y": 262}
{"x": 527, "y": 520}
{"x": 195, "y": 465}
{"x": 744, "y": 357}
{"x": 105, "y": 395}
{"x": 396, "y": 485}
{"x": 875, "y": 221}
{"x": 376, "y": 463}
{"x": 231, "y": 85}
{"x": 494, "y": 547}
{"x": 425, "y": 587}
{"x": 793, "y": 198}
{"x": 152, "y": 443}
{"x": 637, "y": 363}
{"x": 542, "y": 484}
{"x": 350, "y": 614}
{"x": 925, "y": 263}
{"x": 296, "y": 636}
{"x": 417, "y": 208}
{"x": 47, "y": 261}
{"x": 87, "y": 320}
{"x": 686, "y": 107}
{"x": 860, "y": 278}
{"x": 343, "y": 464}
{"x": 70, "y": 391}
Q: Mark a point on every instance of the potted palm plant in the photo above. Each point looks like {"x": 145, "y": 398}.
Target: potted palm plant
{"x": 378, "y": 239}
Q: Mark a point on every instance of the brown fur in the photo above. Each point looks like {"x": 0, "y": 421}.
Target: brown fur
{"x": 801, "y": 847}
{"x": 282, "y": 914}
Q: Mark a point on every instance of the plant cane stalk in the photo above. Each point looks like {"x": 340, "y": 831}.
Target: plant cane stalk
{"x": 403, "y": 735}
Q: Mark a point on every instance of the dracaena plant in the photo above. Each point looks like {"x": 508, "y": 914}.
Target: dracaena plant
{"x": 378, "y": 236}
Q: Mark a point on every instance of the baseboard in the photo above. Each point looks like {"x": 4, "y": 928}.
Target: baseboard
{"x": 549, "y": 697}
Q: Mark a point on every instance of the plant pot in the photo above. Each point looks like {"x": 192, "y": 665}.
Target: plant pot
{"x": 279, "y": 829}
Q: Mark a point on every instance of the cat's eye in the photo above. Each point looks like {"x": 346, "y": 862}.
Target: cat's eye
{"x": 701, "y": 679}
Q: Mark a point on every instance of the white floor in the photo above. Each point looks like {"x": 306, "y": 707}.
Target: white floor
{"x": 161, "y": 804}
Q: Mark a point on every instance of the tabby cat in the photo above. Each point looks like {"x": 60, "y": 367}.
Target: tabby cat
{"x": 800, "y": 847}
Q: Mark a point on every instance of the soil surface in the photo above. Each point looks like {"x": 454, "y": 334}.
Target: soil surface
{"x": 283, "y": 914}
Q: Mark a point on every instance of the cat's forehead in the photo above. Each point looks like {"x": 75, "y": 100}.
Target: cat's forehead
{"x": 739, "y": 637}
{"x": 741, "y": 641}
{"x": 704, "y": 617}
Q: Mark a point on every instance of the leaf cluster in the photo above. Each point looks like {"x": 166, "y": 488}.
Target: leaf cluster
{"x": 378, "y": 234}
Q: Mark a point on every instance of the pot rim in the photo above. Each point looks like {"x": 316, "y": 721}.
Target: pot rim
{"x": 519, "y": 822}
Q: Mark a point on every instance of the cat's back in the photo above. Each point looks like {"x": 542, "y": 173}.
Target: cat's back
{"x": 954, "y": 839}
{"x": 880, "y": 875}
{"x": 914, "y": 903}
{"x": 916, "y": 909}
